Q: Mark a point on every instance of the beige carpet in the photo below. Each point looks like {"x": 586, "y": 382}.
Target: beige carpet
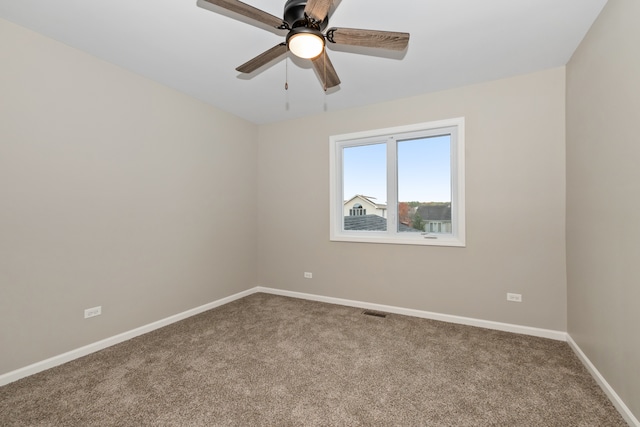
{"x": 277, "y": 361}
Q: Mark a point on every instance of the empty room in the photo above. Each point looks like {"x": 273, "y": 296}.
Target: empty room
{"x": 316, "y": 212}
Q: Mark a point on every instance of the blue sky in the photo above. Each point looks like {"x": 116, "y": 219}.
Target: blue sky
{"x": 424, "y": 170}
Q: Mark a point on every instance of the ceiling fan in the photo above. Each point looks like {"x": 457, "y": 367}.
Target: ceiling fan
{"x": 306, "y": 22}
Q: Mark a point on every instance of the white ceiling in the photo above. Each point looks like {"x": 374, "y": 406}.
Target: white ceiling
{"x": 186, "y": 46}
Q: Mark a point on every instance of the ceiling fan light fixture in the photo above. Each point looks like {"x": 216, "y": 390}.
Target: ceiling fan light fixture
{"x": 305, "y": 42}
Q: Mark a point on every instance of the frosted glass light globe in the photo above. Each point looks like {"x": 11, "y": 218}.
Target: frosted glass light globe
{"x": 306, "y": 45}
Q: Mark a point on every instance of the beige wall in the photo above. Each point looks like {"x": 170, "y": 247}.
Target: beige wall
{"x": 515, "y": 202}
{"x": 603, "y": 197}
{"x": 119, "y": 192}
{"x": 114, "y": 191}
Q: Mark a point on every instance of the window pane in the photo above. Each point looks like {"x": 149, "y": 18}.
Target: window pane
{"x": 424, "y": 185}
{"x": 365, "y": 187}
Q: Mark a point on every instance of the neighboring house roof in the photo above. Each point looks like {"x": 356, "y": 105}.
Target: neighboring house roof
{"x": 368, "y": 199}
{"x": 370, "y": 223}
{"x": 435, "y": 212}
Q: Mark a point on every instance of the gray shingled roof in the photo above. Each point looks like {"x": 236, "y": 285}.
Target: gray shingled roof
{"x": 370, "y": 223}
{"x": 435, "y": 212}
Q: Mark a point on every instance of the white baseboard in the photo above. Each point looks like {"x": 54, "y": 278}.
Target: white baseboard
{"x": 12, "y": 376}
{"x": 488, "y": 324}
{"x": 17, "y": 374}
{"x": 604, "y": 385}
{"x": 507, "y": 327}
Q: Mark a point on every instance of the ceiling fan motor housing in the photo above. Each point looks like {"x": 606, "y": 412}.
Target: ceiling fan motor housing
{"x": 294, "y": 16}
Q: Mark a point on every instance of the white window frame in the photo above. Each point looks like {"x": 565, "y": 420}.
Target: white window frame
{"x": 337, "y": 143}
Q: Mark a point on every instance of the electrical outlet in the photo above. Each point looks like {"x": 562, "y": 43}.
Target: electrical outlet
{"x": 514, "y": 297}
{"x": 93, "y": 311}
{"x": 308, "y": 275}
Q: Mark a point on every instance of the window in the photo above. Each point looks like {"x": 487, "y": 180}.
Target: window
{"x": 401, "y": 185}
{"x": 357, "y": 210}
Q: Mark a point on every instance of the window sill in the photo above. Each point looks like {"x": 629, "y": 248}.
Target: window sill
{"x": 429, "y": 240}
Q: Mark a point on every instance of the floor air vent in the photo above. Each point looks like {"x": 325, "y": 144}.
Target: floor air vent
{"x": 374, "y": 313}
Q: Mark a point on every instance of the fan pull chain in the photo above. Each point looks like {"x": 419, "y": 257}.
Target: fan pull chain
{"x": 286, "y": 83}
{"x": 324, "y": 52}
{"x": 286, "y": 73}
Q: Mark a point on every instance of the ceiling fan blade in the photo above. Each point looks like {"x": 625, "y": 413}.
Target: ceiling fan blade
{"x": 248, "y": 11}
{"x": 318, "y": 9}
{"x": 263, "y": 59}
{"x": 368, "y": 38}
{"x": 325, "y": 70}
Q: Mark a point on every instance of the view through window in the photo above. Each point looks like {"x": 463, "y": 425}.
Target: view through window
{"x": 406, "y": 186}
